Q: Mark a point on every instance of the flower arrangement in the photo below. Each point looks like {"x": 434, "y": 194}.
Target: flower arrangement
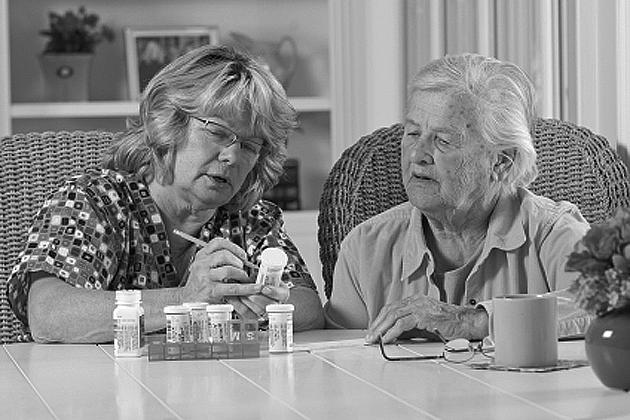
{"x": 73, "y": 32}
{"x": 603, "y": 259}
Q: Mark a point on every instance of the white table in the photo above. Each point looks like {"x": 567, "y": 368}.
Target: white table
{"x": 338, "y": 378}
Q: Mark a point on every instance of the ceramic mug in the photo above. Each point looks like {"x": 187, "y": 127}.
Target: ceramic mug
{"x": 524, "y": 330}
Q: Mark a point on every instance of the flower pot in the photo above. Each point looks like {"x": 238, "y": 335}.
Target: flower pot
{"x": 66, "y": 76}
{"x": 607, "y": 343}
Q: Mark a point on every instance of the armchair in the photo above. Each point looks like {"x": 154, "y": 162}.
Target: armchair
{"x": 33, "y": 165}
{"x": 574, "y": 164}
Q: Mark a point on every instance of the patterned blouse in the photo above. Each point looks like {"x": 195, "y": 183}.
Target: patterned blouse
{"x": 102, "y": 230}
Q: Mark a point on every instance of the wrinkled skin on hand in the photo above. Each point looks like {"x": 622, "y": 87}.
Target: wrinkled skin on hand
{"x": 217, "y": 275}
{"x": 425, "y": 313}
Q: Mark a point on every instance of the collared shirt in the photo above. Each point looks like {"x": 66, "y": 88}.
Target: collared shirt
{"x": 103, "y": 230}
{"x": 386, "y": 258}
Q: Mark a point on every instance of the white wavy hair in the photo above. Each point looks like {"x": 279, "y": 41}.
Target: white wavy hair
{"x": 504, "y": 98}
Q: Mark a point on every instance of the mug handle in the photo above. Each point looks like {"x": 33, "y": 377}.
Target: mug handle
{"x": 491, "y": 326}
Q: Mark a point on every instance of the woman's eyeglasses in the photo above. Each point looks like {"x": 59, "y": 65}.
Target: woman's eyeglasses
{"x": 224, "y": 136}
{"x": 459, "y": 350}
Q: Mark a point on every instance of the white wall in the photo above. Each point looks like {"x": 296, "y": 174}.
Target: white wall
{"x": 302, "y": 228}
{"x": 593, "y": 102}
{"x": 576, "y": 51}
{"x": 369, "y": 86}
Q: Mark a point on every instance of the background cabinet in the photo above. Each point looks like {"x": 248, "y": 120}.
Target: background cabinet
{"x": 306, "y": 21}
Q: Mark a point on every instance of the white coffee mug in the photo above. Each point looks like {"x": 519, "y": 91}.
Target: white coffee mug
{"x": 524, "y": 330}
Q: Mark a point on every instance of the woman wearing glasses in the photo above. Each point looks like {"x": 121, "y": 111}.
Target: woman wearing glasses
{"x": 471, "y": 230}
{"x": 209, "y": 141}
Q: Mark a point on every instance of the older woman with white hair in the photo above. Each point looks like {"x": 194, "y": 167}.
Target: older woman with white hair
{"x": 210, "y": 139}
{"x": 471, "y": 229}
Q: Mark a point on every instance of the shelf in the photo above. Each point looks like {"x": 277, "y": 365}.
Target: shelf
{"x": 313, "y": 88}
{"x": 74, "y": 109}
{"x": 105, "y": 109}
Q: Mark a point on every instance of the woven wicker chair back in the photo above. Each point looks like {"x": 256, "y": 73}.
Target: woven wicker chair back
{"x": 574, "y": 165}
{"x": 31, "y": 166}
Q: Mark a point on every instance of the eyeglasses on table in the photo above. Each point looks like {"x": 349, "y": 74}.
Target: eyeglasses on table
{"x": 458, "y": 350}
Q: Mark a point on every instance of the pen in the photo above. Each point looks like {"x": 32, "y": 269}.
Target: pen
{"x": 201, "y": 243}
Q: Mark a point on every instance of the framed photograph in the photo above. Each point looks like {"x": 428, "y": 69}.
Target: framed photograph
{"x": 150, "y": 49}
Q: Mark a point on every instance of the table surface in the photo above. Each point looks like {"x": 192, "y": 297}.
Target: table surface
{"x": 331, "y": 375}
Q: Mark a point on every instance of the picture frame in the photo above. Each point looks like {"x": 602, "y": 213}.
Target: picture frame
{"x": 150, "y": 49}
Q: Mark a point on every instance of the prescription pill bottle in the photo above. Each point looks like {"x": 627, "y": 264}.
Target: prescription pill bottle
{"x": 280, "y": 327}
{"x": 128, "y": 318}
{"x": 177, "y": 324}
{"x": 219, "y": 316}
{"x": 272, "y": 263}
{"x": 198, "y": 321}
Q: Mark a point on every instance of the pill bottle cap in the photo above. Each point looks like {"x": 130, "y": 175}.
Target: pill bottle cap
{"x": 128, "y": 297}
{"x": 176, "y": 309}
{"x": 220, "y": 308}
{"x": 195, "y": 305}
{"x": 274, "y": 257}
{"x": 280, "y": 307}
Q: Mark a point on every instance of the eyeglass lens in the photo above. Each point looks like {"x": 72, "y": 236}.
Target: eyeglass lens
{"x": 458, "y": 350}
{"x": 226, "y": 137}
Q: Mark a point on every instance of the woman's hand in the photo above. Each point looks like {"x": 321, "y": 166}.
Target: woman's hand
{"x": 253, "y": 306}
{"x": 425, "y": 313}
{"x": 216, "y": 273}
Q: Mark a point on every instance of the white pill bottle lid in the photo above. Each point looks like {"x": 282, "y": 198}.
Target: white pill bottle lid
{"x": 128, "y": 297}
{"x": 195, "y": 305}
{"x": 220, "y": 307}
{"x": 279, "y": 307}
{"x": 274, "y": 258}
{"x": 176, "y": 309}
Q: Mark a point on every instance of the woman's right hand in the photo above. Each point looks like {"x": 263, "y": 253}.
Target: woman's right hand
{"x": 216, "y": 273}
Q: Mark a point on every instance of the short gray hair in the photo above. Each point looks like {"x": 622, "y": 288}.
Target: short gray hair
{"x": 207, "y": 81}
{"x": 505, "y": 98}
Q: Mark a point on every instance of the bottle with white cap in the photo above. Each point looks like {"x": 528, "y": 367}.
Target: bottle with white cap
{"x": 280, "y": 327}
{"x": 219, "y": 316}
{"x": 272, "y": 263}
{"x": 177, "y": 324}
{"x": 128, "y": 324}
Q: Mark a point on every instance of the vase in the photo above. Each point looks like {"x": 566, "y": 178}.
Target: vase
{"x": 66, "y": 75}
{"x": 607, "y": 343}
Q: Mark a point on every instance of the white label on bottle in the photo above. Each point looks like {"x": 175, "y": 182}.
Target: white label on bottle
{"x": 199, "y": 325}
{"x": 280, "y": 332}
{"x": 127, "y": 338}
{"x": 177, "y": 328}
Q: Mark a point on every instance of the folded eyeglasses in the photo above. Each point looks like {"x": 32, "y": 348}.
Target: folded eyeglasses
{"x": 458, "y": 350}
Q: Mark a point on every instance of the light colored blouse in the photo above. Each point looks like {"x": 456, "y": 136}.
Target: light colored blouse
{"x": 386, "y": 259}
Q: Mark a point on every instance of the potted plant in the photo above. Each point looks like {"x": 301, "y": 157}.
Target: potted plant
{"x": 602, "y": 258}
{"x": 68, "y": 53}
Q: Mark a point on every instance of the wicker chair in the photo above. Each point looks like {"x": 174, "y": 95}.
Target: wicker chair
{"x": 574, "y": 165}
{"x": 32, "y": 166}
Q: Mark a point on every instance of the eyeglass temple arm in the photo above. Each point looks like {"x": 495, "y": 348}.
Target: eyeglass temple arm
{"x": 397, "y": 359}
{"x": 440, "y": 336}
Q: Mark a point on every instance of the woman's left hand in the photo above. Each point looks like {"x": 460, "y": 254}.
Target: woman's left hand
{"x": 253, "y": 306}
{"x": 425, "y": 313}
